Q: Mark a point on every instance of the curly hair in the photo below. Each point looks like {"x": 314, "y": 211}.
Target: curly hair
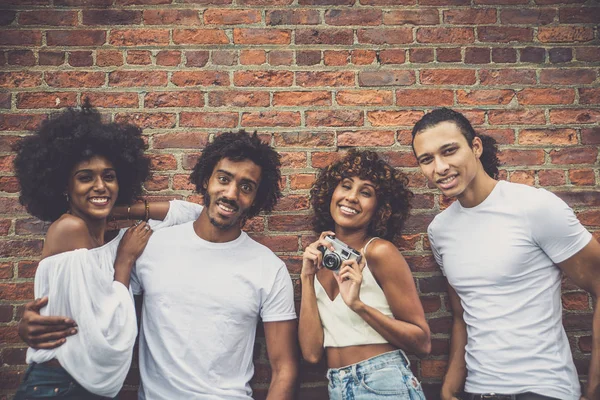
{"x": 45, "y": 159}
{"x": 239, "y": 146}
{"x": 489, "y": 156}
{"x": 391, "y": 190}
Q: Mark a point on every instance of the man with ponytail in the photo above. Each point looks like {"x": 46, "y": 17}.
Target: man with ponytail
{"x": 503, "y": 248}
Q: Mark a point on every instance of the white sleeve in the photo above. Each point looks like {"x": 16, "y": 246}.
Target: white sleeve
{"x": 556, "y": 229}
{"x": 81, "y": 285}
{"x": 434, "y": 250}
{"x": 279, "y": 302}
{"x": 179, "y": 212}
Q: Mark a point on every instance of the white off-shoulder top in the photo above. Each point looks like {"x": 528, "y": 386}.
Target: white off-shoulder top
{"x": 80, "y": 284}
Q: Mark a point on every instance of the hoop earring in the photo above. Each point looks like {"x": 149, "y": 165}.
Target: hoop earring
{"x": 67, "y": 197}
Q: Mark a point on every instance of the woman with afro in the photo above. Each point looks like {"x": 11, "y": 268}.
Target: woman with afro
{"x": 73, "y": 171}
{"x": 365, "y": 313}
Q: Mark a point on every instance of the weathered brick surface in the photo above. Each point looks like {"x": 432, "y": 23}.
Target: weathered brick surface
{"x": 314, "y": 77}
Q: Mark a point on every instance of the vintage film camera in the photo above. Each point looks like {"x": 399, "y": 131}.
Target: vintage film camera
{"x": 332, "y": 260}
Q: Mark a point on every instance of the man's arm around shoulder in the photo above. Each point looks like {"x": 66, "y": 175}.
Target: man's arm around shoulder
{"x": 283, "y": 356}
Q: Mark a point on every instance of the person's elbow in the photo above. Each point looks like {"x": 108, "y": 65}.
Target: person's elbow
{"x": 423, "y": 343}
{"x": 312, "y": 357}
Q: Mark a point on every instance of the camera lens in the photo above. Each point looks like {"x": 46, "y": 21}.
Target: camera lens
{"x": 332, "y": 261}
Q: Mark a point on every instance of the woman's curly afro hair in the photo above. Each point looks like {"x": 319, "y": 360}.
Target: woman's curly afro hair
{"x": 239, "y": 146}
{"x": 45, "y": 159}
{"x": 391, "y": 188}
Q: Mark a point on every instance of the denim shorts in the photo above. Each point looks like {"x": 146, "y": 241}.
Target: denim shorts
{"x": 386, "y": 376}
{"x": 51, "y": 382}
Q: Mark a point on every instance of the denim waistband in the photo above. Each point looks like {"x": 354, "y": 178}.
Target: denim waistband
{"x": 391, "y": 357}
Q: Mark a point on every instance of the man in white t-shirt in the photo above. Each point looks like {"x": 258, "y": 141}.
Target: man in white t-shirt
{"x": 503, "y": 248}
{"x": 206, "y": 284}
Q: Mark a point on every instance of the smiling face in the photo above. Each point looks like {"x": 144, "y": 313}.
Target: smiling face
{"x": 353, "y": 203}
{"x": 230, "y": 192}
{"x": 93, "y": 188}
{"x": 447, "y": 160}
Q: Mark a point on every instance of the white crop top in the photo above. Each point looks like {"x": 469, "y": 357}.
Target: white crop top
{"x": 343, "y": 327}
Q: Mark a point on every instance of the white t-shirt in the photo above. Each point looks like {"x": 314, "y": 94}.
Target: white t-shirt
{"x": 80, "y": 284}
{"x": 202, "y": 302}
{"x": 500, "y": 259}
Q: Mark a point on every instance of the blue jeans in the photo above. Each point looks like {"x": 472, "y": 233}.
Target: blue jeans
{"x": 386, "y": 376}
{"x": 45, "y": 382}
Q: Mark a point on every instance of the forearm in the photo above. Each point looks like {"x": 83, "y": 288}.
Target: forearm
{"x": 283, "y": 380}
{"x": 456, "y": 372}
{"x": 593, "y": 385}
{"x": 123, "y": 266}
{"x": 156, "y": 210}
{"x": 310, "y": 329}
{"x": 401, "y": 334}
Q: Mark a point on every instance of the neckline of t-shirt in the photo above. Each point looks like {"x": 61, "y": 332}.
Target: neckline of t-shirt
{"x": 489, "y": 198}
{"x": 116, "y": 239}
{"x": 214, "y": 245}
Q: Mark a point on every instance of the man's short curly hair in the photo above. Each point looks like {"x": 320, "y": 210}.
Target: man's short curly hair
{"x": 239, "y": 146}
{"x": 391, "y": 188}
{"x": 45, "y": 159}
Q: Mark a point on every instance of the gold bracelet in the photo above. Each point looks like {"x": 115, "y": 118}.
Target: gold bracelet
{"x": 147, "y": 210}
{"x": 128, "y": 212}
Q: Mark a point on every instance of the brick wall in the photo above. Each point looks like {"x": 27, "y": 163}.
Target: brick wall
{"x": 314, "y": 77}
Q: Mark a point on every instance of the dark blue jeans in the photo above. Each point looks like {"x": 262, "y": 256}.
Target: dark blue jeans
{"x": 46, "y": 382}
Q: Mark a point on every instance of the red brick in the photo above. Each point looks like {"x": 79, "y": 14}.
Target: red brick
{"x": 5, "y": 100}
{"x": 590, "y": 136}
{"x": 21, "y": 38}
{"x": 20, "y": 79}
{"x": 168, "y": 58}
{"x": 142, "y": 2}
{"x": 238, "y": 98}
{"x": 557, "y": 137}
{"x": 433, "y": 368}
{"x": 111, "y": 17}
{"x": 473, "y": 16}
{"x": 293, "y": 202}
{"x": 26, "y": 269}
{"x": 200, "y": 78}
{"x": 512, "y": 157}
{"x": 289, "y": 223}
{"x": 386, "y": 78}
{"x": 385, "y": 36}
{"x": 76, "y": 38}
{"x": 271, "y": 118}
{"x": 31, "y": 226}
{"x": 581, "y": 15}
{"x": 533, "y": 54}
{"x": 267, "y": 3}
{"x": 445, "y": 35}
{"x": 392, "y": 56}
{"x": 363, "y": 57}
{"x": 7, "y": 17}
{"x": 139, "y": 37}
{"x": 551, "y": 177}
{"x": 182, "y": 182}
{"x": 46, "y": 100}
{"x": 589, "y": 217}
{"x": 345, "y": 17}
{"x": 500, "y": 34}
{"x": 400, "y": 158}
{"x": 105, "y": 58}
{"x": 263, "y": 78}
{"x": 253, "y": 57}
{"x": 421, "y": 55}
{"x": 8, "y": 184}
{"x": 574, "y": 156}
{"x": 281, "y": 57}
{"x": 561, "y": 76}
{"x": 424, "y": 97}
{"x": 217, "y": 16}
{"x": 335, "y": 58}
{"x": 199, "y": 36}
{"x": 6, "y": 310}
{"x": 174, "y": 99}
{"x": 19, "y": 248}
{"x": 148, "y": 120}
{"x": 137, "y": 78}
{"x": 302, "y": 181}
{"x": 196, "y": 58}
{"x": 156, "y": 183}
{"x": 488, "y": 97}
{"x": 582, "y": 177}
{"x": 308, "y": 57}
{"x": 138, "y": 57}
{"x": 518, "y": 117}
{"x": 324, "y": 36}
{"x": 545, "y": 96}
{"x": 293, "y": 159}
{"x": 171, "y": 17}
{"x": 81, "y": 59}
{"x": 565, "y": 34}
{"x": 292, "y": 17}
{"x": 576, "y": 301}
{"x": 394, "y": 118}
{"x": 51, "y": 57}
{"x": 75, "y": 79}
{"x": 449, "y": 54}
{"x": 528, "y": 16}
{"x": 334, "y": 118}
{"x": 325, "y": 78}
{"x": 20, "y": 122}
{"x": 86, "y": 3}
{"x": 504, "y": 55}
{"x": 447, "y": 77}
{"x": 6, "y": 223}
{"x": 261, "y": 36}
{"x": 507, "y": 77}
{"x": 302, "y": 98}
{"x": 209, "y": 119}
{"x": 580, "y": 198}
{"x": 523, "y": 177}
{"x": 477, "y": 55}
{"x": 365, "y": 138}
{"x": 364, "y": 97}
{"x": 574, "y": 116}
{"x": 48, "y": 17}
{"x": 287, "y": 243}
{"x": 112, "y": 99}
{"x": 304, "y": 139}
{"x": 162, "y": 162}
{"x": 411, "y": 17}
{"x": 24, "y": 58}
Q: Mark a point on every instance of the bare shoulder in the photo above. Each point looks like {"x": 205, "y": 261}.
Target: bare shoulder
{"x": 382, "y": 254}
{"x": 65, "y": 234}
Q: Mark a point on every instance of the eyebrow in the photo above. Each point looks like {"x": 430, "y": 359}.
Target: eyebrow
{"x": 244, "y": 180}
{"x": 443, "y": 147}
{"x": 89, "y": 170}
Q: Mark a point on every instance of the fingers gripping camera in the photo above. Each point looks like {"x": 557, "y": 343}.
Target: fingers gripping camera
{"x": 332, "y": 260}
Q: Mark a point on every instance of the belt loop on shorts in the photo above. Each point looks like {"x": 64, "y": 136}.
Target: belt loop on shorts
{"x": 355, "y": 375}
{"x": 403, "y": 354}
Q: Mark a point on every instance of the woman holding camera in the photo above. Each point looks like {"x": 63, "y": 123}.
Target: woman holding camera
{"x": 73, "y": 171}
{"x": 362, "y": 311}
